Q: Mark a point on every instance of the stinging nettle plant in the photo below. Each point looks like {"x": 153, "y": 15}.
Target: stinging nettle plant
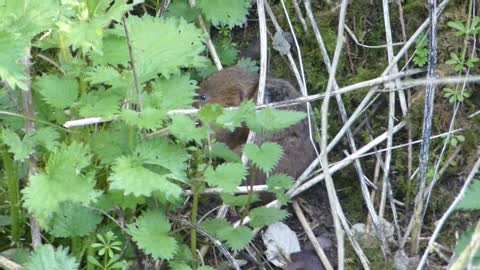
{"x": 98, "y": 58}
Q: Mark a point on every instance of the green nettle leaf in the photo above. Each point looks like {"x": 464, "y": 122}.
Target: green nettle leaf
{"x": 179, "y": 45}
{"x": 463, "y": 242}
{"x": 209, "y": 113}
{"x": 206, "y": 268}
{"x": 221, "y": 150}
{"x": 278, "y": 184}
{"x": 47, "y": 137}
{"x": 149, "y": 118}
{"x": 174, "y": 93}
{"x": 470, "y": 200}
{"x": 132, "y": 177}
{"x": 182, "y": 260}
{"x": 159, "y": 151}
{"x": 29, "y": 18}
{"x": 236, "y": 238}
{"x": 115, "y": 50}
{"x": 263, "y": 216}
{"x": 62, "y": 181}
{"x": 87, "y": 34}
{"x": 225, "y": 12}
{"x": 21, "y": 149}
{"x": 12, "y": 49}
{"x": 101, "y": 103}
{"x": 104, "y": 75}
{"x": 232, "y": 119}
{"x": 266, "y": 156}
{"x": 184, "y": 128}
{"x": 114, "y": 199}
{"x": 227, "y": 176}
{"x": 249, "y": 64}
{"x": 73, "y": 220}
{"x": 228, "y": 53}
{"x": 182, "y": 9}
{"x": 47, "y": 258}
{"x": 151, "y": 233}
{"x": 111, "y": 144}
{"x": 239, "y": 200}
{"x": 271, "y": 120}
{"x": 59, "y": 92}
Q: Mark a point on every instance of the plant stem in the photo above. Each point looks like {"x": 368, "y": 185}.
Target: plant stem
{"x": 13, "y": 191}
{"x": 193, "y": 232}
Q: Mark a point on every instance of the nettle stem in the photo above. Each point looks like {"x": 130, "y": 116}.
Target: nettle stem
{"x": 193, "y": 232}
{"x": 13, "y": 194}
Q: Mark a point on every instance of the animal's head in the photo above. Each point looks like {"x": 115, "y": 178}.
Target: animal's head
{"x": 228, "y": 87}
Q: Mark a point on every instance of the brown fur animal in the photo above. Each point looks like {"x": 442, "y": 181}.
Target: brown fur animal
{"x": 230, "y": 87}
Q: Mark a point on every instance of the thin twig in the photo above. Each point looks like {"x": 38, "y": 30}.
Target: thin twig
{"x": 210, "y": 46}
{"x": 341, "y": 106}
{"x": 332, "y": 198}
{"x": 311, "y": 236}
{"x": 427, "y": 126}
{"x": 132, "y": 64}
{"x": 8, "y": 264}
{"x": 216, "y": 242}
{"x": 451, "y": 208}
{"x": 29, "y": 111}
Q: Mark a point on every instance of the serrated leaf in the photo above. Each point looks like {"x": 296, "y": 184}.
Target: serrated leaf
{"x": 87, "y": 34}
{"x": 159, "y": 151}
{"x": 117, "y": 199}
{"x": 182, "y": 9}
{"x": 21, "y": 149}
{"x": 12, "y": 49}
{"x": 182, "y": 259}
{"x": 263, "y": 216}
{"x": 239, "y": 200}
{"x": 101, "y": 103}
{"x": 470, "y": 200}
{"x": 221, "y": 150}
{"x": 185, "y": 129}
{"x": 266, "y": 156}
{"x": 64, "y": 180}
{"x": 59, "y": 92}
{"x": 209, "y": 113}
{"x": 236, "y": 238}
{"x": 104, "y": 75}
{"x": 232, "y": 119}
{"x": 149, "y": 118}
{"x": 115, "y": 50}
{"x": 47, "y": 137}
{"x": 278, "y": 184}
{"x": 73, "y": 220}
{"x": 132, "y": 177}
{"x": 29, "y": 18}
{"x": 225, "y": 12}
{"x": 271, "y": 120}
{"x": 206, "y": 268}
{"x": 179, "y": 45}
{"x": 112, "y": 143}
{"x": 151, "y": 233}
{"x": 227, "y": 53}
{"x": 227, "y": 176}
{"x": 177, "y": 92}
{"x": 463, "y": 242}
{"x": 46, "y": 258}
{"x": 214, "y": 225}
{"x": 249, "y": 64}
